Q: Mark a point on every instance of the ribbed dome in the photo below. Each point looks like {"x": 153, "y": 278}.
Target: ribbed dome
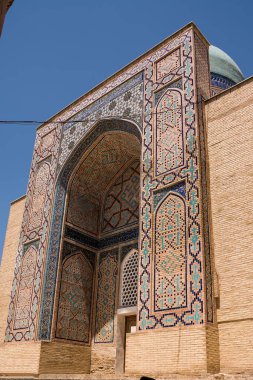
{"x": 222, "y": 64}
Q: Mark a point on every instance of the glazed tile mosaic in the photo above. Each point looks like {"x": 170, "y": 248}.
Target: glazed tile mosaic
{"x": 74, "y": 309}
{"x": 85, "y": 180}
{"x": 107, "y": 276}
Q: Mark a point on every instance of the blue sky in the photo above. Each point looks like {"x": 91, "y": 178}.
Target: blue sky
{"x": 53, "y": 51}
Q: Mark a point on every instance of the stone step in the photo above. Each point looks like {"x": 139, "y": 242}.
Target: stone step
{"x": 219, "y": 376}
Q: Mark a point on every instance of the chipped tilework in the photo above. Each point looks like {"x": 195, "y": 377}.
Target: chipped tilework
{"x": 75, "y": 299}
{"x": 190, "y": 172}
{"x": 105, "y": 308}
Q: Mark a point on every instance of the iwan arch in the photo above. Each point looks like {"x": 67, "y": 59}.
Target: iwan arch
{"x": 131, "y": 249}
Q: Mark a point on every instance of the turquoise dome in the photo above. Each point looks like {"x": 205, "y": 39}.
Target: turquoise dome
{"x": 222, "y": 64}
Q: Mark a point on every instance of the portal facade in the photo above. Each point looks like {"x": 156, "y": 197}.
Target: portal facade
{"x": 115, "y": 270}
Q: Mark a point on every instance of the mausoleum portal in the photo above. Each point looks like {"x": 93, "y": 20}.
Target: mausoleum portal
{"x": 120, "y": 266}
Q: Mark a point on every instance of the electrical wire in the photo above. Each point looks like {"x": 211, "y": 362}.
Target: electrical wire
{"x": 26, "y": 122}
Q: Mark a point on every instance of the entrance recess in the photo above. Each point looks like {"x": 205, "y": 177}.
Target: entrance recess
{"x": 97, "y": 285}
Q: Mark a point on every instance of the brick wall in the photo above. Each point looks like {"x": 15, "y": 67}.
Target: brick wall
{"x": 59, "y": 357}
{"x": 103, "y": 359}
{"x": 229, "y": 120}
{"x": 8, "y": 260}
{"x": 175, "y": 350}
{"x": 18, "y": 358}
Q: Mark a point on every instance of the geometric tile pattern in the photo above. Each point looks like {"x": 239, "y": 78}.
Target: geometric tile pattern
{"x": 170, "y": 254}
{"x": 46, "y": 143}
{"x": 25, "y": 290}
{"x": 129, "y": 279}
{"x": 205, "y": 89}
{"x": 169, "y": 133}
{"x": 36, "y": 237}
{"x": 107, "y": 278}
{"x": 52, "y": 256}
{"x": 125, "y": 102}
{"x": 194, "y": 312}
{"x": 74, "y": 309}
{"x": 97, "y": 171}
{"x": 121, "y": 206}
{"x": 128, "y": 95}
{"x": 106, "y": 241}
{"x": 167, "y": 64}
{"x": 38, "y": 198}
{"x": 220, "y": 83}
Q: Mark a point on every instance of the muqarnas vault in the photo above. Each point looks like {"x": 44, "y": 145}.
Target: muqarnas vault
{"x": 121, "y": 250}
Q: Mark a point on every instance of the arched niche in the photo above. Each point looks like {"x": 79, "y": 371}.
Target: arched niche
{"x": 103, "y": 128}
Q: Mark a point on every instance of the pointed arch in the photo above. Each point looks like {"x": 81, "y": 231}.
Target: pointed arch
{"x": 49, "y": 284}
{"x": 170, "y": 262}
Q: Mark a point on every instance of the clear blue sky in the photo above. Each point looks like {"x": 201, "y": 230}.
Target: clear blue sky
{"x": 53, "y": 51}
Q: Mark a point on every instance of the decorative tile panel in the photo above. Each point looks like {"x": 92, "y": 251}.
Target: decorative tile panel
{"x": 124, "y": 102}
{"x": 25, "y": 291}
{"x": 74, "y": 309}
{"x": 38, "y": 198}
{"x": 122, "y": 98}
{"x": 167, "y": 64}
{"x": 192, "y": 312}
{"x": 106, "y": 296}
{"x": 169, "y": 140}
{"x": 121, "y": 205}
{"x": 170, "y": 260}
{"x": 46, "y": 144}
{"x": 103, "y": 163}
{"x": 57, "y": 219}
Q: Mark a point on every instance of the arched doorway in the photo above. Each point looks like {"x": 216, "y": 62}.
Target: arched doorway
{"x": 100, "y": 228}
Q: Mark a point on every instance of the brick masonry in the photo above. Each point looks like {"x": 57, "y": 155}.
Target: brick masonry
{"x": 230, "y": 139}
